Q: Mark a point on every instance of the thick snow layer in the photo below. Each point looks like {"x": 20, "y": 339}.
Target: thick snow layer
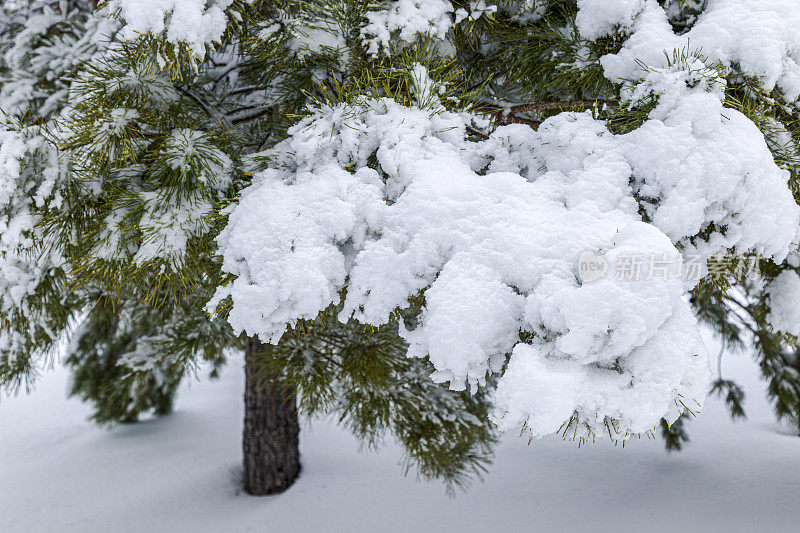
{"x": 694, "y": 160}
{"x": 759, "y": 38}
{"x": 784, "y": 303}
{"x": 60, "y": 473}
{"x": 491, "y": 233}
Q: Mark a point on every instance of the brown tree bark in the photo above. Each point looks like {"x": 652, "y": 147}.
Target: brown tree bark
{"x": 271, "y": 429}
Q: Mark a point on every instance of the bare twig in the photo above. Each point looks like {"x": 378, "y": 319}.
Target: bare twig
{"x": 509, "y": 114}
{"x": 208, "y": 111}
{"x": 253, "y": 116}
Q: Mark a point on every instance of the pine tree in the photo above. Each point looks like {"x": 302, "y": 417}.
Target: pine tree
{"x": 370, "y": 194}
{"x": 134, "y": 335}
{"x": 114, "y": 363}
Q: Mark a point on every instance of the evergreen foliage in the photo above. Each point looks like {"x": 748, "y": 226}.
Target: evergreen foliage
{"x": 362, "y": 376}
{"x": 674, "y": 435}
{"x": 134, "y": 152}
{"x": 113, "y": 347}
{"x": 149, "y": 158}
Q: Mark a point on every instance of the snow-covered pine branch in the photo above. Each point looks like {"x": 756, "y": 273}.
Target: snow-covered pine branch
{"x": 294, "y": 158}
{"x": 490, "y": 234}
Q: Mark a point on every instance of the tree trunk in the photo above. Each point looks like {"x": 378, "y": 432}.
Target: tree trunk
{"x": 271, "y": 430}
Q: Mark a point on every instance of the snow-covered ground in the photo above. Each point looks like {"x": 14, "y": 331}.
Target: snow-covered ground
{"x": 60, "y": 473}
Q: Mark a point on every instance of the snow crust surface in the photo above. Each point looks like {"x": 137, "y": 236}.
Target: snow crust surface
{"x": 182, "y": 473}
